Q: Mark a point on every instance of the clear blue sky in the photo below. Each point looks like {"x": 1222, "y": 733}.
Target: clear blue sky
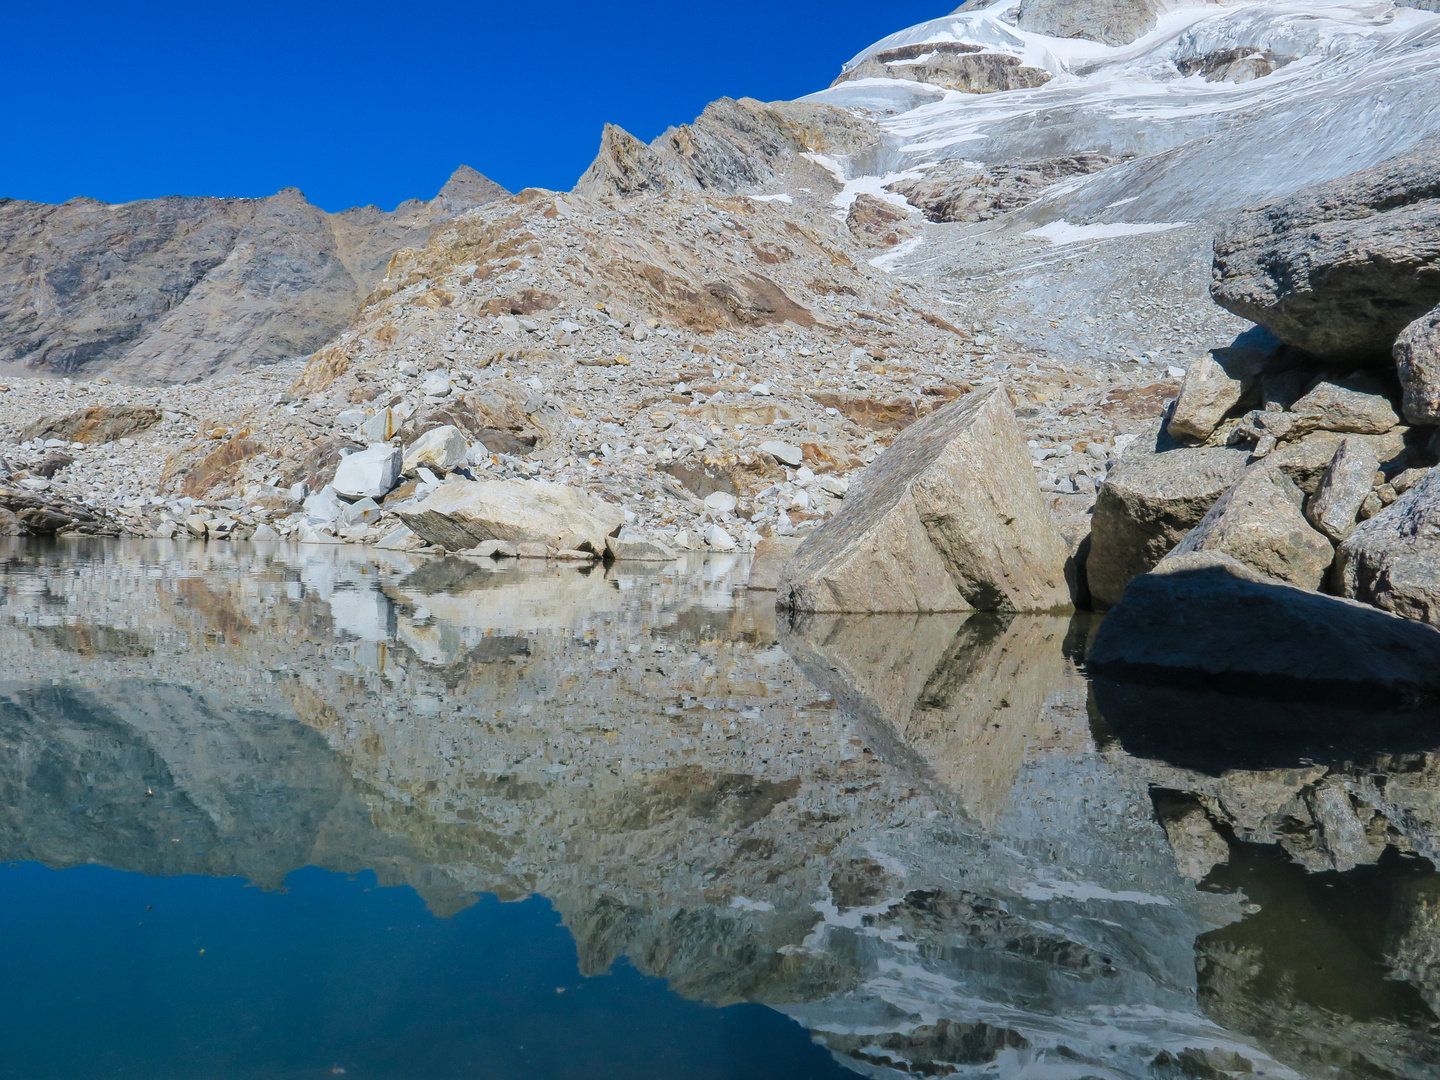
{"x": 362, "y": 102}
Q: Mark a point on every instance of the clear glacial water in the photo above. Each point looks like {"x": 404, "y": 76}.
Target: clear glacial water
{"x": 275, "y": 811}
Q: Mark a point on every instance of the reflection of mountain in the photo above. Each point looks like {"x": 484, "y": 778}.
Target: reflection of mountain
{"x": 944, "y": 873}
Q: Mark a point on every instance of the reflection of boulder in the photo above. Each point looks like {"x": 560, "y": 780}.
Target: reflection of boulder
{"x": 957, "y": 696}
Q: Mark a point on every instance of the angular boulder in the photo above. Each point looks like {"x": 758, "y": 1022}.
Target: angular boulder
{"x": 631, "y": 546}
{"x": 439, "y": 450}
{"x": 460, "y": 515}
{"x": 1340, "y": 268}
{"x": 1359, "y": 403}
{"x": 1393, "y": 560}
{"x": 1147, "y": 504}
{"x": 949, "y": 518}
{"x": 1259, "y": 521}
{"x": 370, "y": 473}
{"x": 1417, "y": 360}
{"x": 1347, "y": 480}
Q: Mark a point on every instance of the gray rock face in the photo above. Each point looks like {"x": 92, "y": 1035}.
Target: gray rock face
{"x": 174, "y": 289}
{"x": 1147, "y": 505}
{"x": 1208, "y": 614}
{"x": 1115, "y": 22}
{"x": 1339, "y": 269}
{"x": 1393, "y": 559}
{"x": 953, "y": 65}
{"x": 1259, "y": 522}
{"x": 1417, "y": 360}
{"x": 1348, "y": 479}
{"x": 949, "y": 518}
{"x": 732, "y": 145}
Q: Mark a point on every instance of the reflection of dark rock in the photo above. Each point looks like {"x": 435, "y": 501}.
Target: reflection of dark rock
{"x": 1212, "y": 666}
{"x": 955, "y": 697}
{"x": 1314, "y": 976}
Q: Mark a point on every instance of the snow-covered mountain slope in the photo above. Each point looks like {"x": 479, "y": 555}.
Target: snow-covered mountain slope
{"x": 1278, "y": 96}
{"x": 1075, "y": 209}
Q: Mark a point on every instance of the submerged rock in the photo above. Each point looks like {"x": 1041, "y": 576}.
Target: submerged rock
{"x": 461, "y": 515}
{"x": 949, "y": 518}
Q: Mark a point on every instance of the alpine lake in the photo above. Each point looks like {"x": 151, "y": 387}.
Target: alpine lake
{"x": 282, "y": 811}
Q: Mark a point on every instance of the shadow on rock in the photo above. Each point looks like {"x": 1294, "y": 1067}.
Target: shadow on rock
{"x": 1210, "y": 666}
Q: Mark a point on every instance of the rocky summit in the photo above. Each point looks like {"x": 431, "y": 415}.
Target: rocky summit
{"x": 715, "y": 338}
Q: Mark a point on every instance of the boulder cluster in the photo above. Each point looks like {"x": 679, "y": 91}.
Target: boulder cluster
{"x": 1288, "y": 492}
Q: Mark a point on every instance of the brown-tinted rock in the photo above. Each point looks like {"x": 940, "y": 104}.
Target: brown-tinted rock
{"x": 949, "y": 518}
{"x": 94, "y": 426}
{"x": 1348, "y": 479}
{"x": 1259, "y": 522}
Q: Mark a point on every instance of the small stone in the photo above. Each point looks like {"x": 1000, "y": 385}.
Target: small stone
{"x": 783, "y": 452}
{"x": 264, "y": 532}
{"x": 762, "y": 389}
{"x": 1343, "y": 489}
{"x": 436, "y": 384}
{"x": 492, "y": 549}
{"x": 721, "y": 502}
{"x": 719, "y": 539}
{"x": 532, "y": 549}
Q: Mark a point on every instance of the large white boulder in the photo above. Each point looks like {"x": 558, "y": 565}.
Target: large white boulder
{"x": 439, "y": 449}
{"x": 462, "y": 514}
{"x": 369, "y": 473}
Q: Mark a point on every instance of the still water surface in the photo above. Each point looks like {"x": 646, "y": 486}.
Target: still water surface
{"x": 273, "y": 811}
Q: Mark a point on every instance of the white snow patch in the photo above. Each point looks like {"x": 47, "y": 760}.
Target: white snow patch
{"x": 782, "y": 197}
{"x": 1063, "y": 232}
{"x": 887, "y": 261}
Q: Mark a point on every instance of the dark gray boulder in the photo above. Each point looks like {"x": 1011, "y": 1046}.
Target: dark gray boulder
{"x": 1340, "y": 268}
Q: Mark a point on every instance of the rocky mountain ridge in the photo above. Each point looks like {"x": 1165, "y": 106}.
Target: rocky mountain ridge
{"x": 183, "y": 288}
